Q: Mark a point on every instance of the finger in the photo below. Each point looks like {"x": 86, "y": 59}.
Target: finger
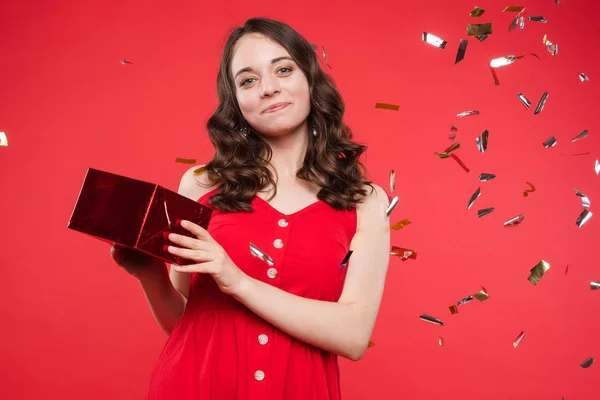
{"x": 189, "y": 254}
{"x": 200, "y": 268}
{"x": 187, "y": 242}
{"x": 197, "y": 230}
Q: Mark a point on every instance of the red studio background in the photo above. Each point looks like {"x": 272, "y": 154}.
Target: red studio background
{"x": 76, "y": 326}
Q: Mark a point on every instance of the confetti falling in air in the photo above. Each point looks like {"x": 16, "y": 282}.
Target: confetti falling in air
{"x": 400, "y": 224}
{"x": 200, "y": 170}
{"x": 256, "y": 252}
{"x": 537, "y": 272}
{"x": 524, "y": 100}
{"x": 479, "y": 29}
{"x": 440, "y": 341}
{"x": 453, "y": 131}
{"x": 587, "y": 362}
{"x": 482, "y": 141}
{"x": 3, "y": 139}
{"x": 124, "y": 62}
{"x": 404, "y": 254}
{"x": 516, "y": 221}
{"x": 551, "y": 48}
{"x": 583, "y": 218}
{"x": 537, "y": 18}
{"x": 431, "y": 320}
{"x": 434, "y": 40}
{"x": 467, "y": 113}
{"x": 476, "y": 12}
{"x": 485, "y": 211}
{"x": 371, "y": 344}
{"x": 582, "y": 135}
{"x": 474, "y": 197}
{"x": 541, "y": 104}
{"x": 594, "y": 285}
{"x": 583, "y": 77}
{"x": 597, "y": 167}
{"x": 462, "y": 48}
{"x": 186, "y": 160}
{"x": 585, "y": 201}
{"x": 392, "y": 180}
{"x": 550, "y": 142}
{"x": 527, "y": 191}
{"x": 518, "y": 339}
{"x": 346, "y": 259}
{"x": 386, "y": 106}
{"x": 486, "y": 177}
{"x": 392, "y": 205}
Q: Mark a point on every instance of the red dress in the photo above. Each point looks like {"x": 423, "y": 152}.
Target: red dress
{"x": 220, "y": 350}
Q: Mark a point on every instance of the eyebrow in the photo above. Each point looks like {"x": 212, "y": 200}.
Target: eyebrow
{"x": 273, "y": 61}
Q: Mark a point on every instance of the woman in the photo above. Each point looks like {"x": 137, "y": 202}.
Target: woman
{"x": 270, "y": 323}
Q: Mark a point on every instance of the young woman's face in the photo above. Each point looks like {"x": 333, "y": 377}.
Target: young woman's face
{"x": 265, "y": 75}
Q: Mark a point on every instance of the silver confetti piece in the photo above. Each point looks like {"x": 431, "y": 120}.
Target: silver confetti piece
{"x": 3, "y": 139}
{"x": 521, "y": 23}
{"x": 430, "y": 319}
{"x": 587, "y": 362}
{"x": 393, "y": 204}
{"x": 345, "y": 260}
{"x": 392, "y": 180}
{"x": 462, "y": 48}
{"x": 485, "y": 211}
{"x": 473, "y": 198}
{"x": 434, "y": 40}
{"x": 465, "y": 300}
{"x": 594, "y": 285}
{"x": 502, "y": 61}
{"x": 324, "y": 54}
{"x": 482, "y": 141}
{"x": 597, "y": 167}
{"x": 582, "y": 135}
{"x": 541, "y": 103}
{"x": 467, "y": 113}
{"x": 261, "y": 254}
{"x": 518, "y": 340}
{"x": 551, "y": 48}
{"x": 481, "y": 38}
{"x": 515, "y": 221}
{"x": 585, "y": 202}
{"x": 583, "y": 77}
{"x": 524, "y": 100}
{"x": 486, "y": 177}
{"x": 538, "y": 18}
{"x": 551, "y": 141}
{"x": 583, "y": 218}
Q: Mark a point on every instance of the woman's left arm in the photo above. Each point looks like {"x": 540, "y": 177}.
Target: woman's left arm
{"x": 342, "y": 327}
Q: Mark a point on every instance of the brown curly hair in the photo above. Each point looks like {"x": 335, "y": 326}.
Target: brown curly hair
{"x": 239, "y": 165}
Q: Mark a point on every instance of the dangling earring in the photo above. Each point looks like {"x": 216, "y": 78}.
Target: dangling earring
{"x": 244, "y": 131}
{"x": 314, "y": 131}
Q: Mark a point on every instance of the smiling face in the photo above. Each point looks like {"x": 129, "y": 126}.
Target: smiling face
{"x": 264, "y": 75}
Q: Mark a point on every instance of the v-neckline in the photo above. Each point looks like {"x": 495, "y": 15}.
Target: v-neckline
{"x": 281, "y": 214}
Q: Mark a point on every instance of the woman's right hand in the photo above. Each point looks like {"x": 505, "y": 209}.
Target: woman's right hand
{"x": 136, "y": 263}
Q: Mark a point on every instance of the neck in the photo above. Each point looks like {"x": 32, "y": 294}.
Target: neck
{"x": 289, "y": 151}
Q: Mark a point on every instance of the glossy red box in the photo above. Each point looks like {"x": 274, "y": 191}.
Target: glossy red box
{"x": 134, "y": 213}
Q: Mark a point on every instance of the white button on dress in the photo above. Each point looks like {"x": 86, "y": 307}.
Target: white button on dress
{"x": 282, "y": 222}
{"x": 272, "y": 273}
{"x": 263, "y": 339}
{"x": 278, "y": 243}
{"x": 259, "y": 375}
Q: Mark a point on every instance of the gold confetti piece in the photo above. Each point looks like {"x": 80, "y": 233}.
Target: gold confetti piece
{"x": 550, "y": 142}
{"x": 585, "y": 202}
{"x": 482, "y": 295}
{"x": 485, "y": 211}
{"x": 486, "y": 177}
{"x": 453, "y": 309}
{"x": 515, "y": 221}
{"x": 433, "y": 320}
{"x": 371, "y": 344}
{"x": 482, "y": 141}
{"x": 186, "y": 160}
{"x": 474, "y": 197}
{"x": 462, "y": 48}
{"x": 434, "y": 40}
{"x": 583, "y": 218}
{"x": 541, "y": 103}
{"x": 481, "y": 38}
{"x": 392, "y": 205}
{"x": 400, "y": 224}
{"x": 587, "y": 362}
{"x": 583, "y": 77}
{"x": 200, "y": 170}
{"x": 537, "y": 272}
{"x": 479, "y": 29}
{"x": 476, "y": 12}
{"x": 345, "y": 260}
{"x": 517, "y": 9}
{"x": 445, "y": 153}
{"x": 255, "y": 251}
{"x": 441, "y": 341}
{"x": 467, "y": 113}
{"x": 386, "y": 106}
{"x": 392, "y": 180}
{"x": 453, "y": 130}
{"x": 526, "y": 103}
{"x": 582, "y": 135}
{"x": 594, "y": 285}
{"x": 3, "y": 139}
{"x": 502, "y": 61}
{"x": 518, "y": 340}
{"x": 403, "y": 253}
{"x": 125, "y": 62}
{"x": 597, "y": 167}
{"x": 527, "y": 191}
{"x": 537, "y": 18}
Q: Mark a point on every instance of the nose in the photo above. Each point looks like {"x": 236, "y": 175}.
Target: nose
{"x": 269, "y": 87}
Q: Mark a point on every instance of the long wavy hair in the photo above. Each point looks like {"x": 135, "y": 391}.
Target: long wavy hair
{"x": 239, "y": 165}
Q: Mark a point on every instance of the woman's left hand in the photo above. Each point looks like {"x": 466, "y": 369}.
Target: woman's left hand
{"x": 211, "y": 258}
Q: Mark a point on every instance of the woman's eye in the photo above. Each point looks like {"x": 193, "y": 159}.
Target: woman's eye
{"x": 244, "y": 81}
{"x": 247, "y": 81}
{"x": 289, "y": 69}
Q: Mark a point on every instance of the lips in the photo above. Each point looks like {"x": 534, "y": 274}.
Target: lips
{"x": 276, "y": 107}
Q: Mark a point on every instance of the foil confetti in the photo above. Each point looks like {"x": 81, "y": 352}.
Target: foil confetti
{"x": 255, "y": 251}
{"x": 567, "y": 269}
{"x": 446, "y": 153}
{"x": 527, "y": 191}
{"x": 186, "y": 160}
{"x": 526, "y": 103}
{"x": 597, "y": 167}
{"x": 550, "y": 142}
{"x": 371, "y": 344}
{"x": 200, "y": 170}
{"x": 481, "y": 38}
{"x": 440, "y": 340}
{"x": 392, "y": 180}
{"x": 485, "y": 211}
{"x": 400, "y": 224}
{"x": 467, "y": 113}
{"x": 541, "y": 103}
{"x": 587, "y": 362}
{"x": 3, "y": 139}
{"x": 482, "y": 295}
{"x": 518, "y": 339}
{"x": 474, "y": 197}
{"x": 386, "y": 106}
{"x": 582, "y": 135}
{"x": 482, "y": 141}
{"x": 464, "y": 301}
{"x": 458, "y": 160}
{"x": 479, "y": 29}
{"x": 453, "y": 130}
{"x": 453, "y": 309}
{"x": 594, "y": 285}
{"x": 345, "y": 260}
{"x": 325, "y": 57}
{"x": 125, "y": 62}
{"x": 575, "y": 154}
{"x": 515, "y": 221}
{"x": 583, "y": 77}
{"x": 476, "y": 12}
{"x": 585, "y": 202}
{"x": 403, "y": 253}
{"x": 434, "y": 40}
{"x": 392, "y": 205}
{"x": 537, "y": 18}
{"x": 537, "y": 272}
{"x": 517, "y": 9}
{"x": 551, "y": 48}
{"x": 502, "y": 61}
{"x": 486, "y": 177}
{"x": 432, "y": 320}
{"x": 583, "y": 218}
{"x": 462, "y": 48}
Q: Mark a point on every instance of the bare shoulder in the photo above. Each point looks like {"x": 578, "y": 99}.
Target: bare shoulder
{"x": 373, "y": 204}
{"x": 195, "y": 183}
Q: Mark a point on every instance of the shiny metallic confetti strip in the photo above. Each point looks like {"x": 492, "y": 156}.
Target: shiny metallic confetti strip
{"x": 482, "y": 295}
{"x": 541, "y": 103}
{"x": 550, "y": 142}
{"x": 392, "y": 205}
{"x": 467, "y": 113}
{"x": 464, "y": 301}
{"x": 200, "y": 170}
{"x": 403, "y": 253}
{"x": 434, "y": 40}
{"x": 345, "y": 260}
{"x": 185, "y": 160}
{"x": 551, "y": 48}
{"x": 400, "y": 224}
{"x": 453, "y": 309}
{"x": 125, "y": 62}
{"x": 474, "y": 197}
{"x": 445, "y": 153}
{"x": 432, "y": 320}
{"x": 481, "y": 38}
{"x": 582, "y": 135}
{"x": 392, "y": 180}
{"x": 587, "y": 362}
{"x": 502, "y": 61}
{"x": 526, "y": 103}
{"x": 538, "y": 18}
{"x": 462, "y": 48}
{"x": 453, "y": 130}
{"x": 386, "y": 106}
{"x": 594, "y": 285}
{"x": 516, "y": 9}
{"x": 479, "y": 29}
{"x": 518, "y": 340}
{"x": 583, "y": 218}
{"x": 585, "y": 202}
{"x": 440, "y": 341}
{"x": 482, "y": 141}
{"x": 3, "y": 139}
{"x": 476, "y": 12}
{"x": 597, "y": 167}
{"x": 325, "y": 57}
{"x": 261, "y": 254}
{"x": 458, "y": 160}
{"x": 485, "y": 211}
{"x": 486, "y": 177}
{"x": 537, "y": 272}
{"x": 583, "y": 77}
{"x": 527, "y": 191}
{"x": 515, "y": 221}
{"x": 521, "y": 22}
{"x": 371, "y": 344}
